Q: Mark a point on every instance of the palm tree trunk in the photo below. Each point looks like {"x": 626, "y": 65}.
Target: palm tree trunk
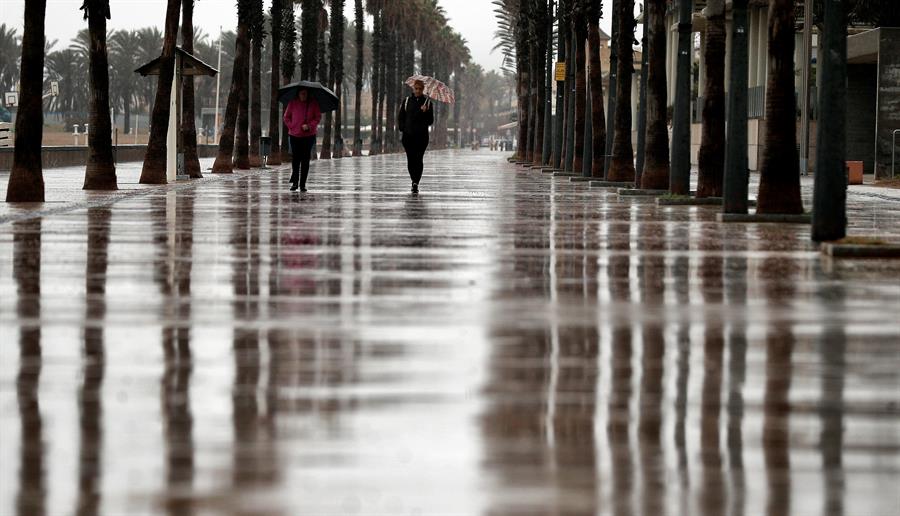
{"x": 656, "y": 147}
{"x": 100, "y": 173}
{"x": 642, "y": 101}
{"x": 537, "y": 105}
{"x": 274, "y": 118}
{"x": 569, "y": 130}
{"x": 611, "y": 93}
{"x": 360, "y": 63}
{"x": 711, "y": 158}
{"x": 734, "y": 190}
{"x": 556, "y": 158}
{"x": 580, "y": 94}
{"x": 188, "y": 125}
{"x": 224, "y": 160}
{"x": 680, "y": 173}
{"x": 26, "y": 179}
{"x": 598, "y": 117}
{"x": 288, "y": 65}
{"x": 154, "y": 170}
{"x": 829, "y": 216}
{"x": 621, "y": 167}
{"x": 242, "y": 137}
{"x": 376, "y": 62}
{"x": 255, "y": 102}
{"x": 779, "y": 176}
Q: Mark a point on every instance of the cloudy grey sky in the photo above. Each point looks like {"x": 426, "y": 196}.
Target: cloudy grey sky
{"x": 474, "y": 19}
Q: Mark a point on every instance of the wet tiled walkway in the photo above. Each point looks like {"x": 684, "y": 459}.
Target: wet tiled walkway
{"x": 504, "y": 343}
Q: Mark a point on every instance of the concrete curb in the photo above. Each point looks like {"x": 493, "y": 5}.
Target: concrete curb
{"x": 122, "y": 195}
{"x": 694, "y": 201}
{"x": 640, "y": 192}
{"x": 563, "y": 174}
{"x": 611, "y": 184}
{"x": 580, "y": 179}
{"x": 838, "y": 250}
{"x": 804, "y": 218}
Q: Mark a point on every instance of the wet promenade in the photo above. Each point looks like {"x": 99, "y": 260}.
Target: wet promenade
{"x": 505, "y": 343}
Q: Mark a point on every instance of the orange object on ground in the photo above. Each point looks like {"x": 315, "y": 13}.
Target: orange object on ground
{"x": 855, "y": 172}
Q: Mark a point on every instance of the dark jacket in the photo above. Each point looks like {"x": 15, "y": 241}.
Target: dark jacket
{"x": 412, "y": 121}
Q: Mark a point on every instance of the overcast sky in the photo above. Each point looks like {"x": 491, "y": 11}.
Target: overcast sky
{"x": 474, "y": 19}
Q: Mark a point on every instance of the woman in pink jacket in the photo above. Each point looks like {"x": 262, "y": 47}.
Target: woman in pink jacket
{"x": 302, "y": 118}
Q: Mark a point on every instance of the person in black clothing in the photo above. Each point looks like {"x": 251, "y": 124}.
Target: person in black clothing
{"x": 416, "y": 114}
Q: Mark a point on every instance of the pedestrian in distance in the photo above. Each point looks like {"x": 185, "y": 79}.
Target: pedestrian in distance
{"x": 416, "y": 115}
{"x": 301, "y": 117}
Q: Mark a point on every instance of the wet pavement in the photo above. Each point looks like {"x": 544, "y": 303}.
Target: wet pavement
{"x": 504, "y": 343}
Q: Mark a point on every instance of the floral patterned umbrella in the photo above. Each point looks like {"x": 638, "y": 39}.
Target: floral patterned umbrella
{"x": 434, "y": 88}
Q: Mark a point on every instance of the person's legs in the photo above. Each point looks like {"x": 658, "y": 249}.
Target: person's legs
{"x": 305, "y": 151}
{"x": 421, "y": 146}
{"x": 295, "y": 159}
{"x": 410, "y": 149}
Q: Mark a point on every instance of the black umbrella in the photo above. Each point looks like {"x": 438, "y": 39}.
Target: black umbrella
{"x": 326, "y": 98}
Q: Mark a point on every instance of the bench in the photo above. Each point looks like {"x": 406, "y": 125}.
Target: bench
{"x": 6, "y": 139}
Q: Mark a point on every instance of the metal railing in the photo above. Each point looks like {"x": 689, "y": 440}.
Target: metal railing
{"x": 893, "y": 150}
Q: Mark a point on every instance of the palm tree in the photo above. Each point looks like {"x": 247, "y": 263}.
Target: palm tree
{"x": 100, "y": 173}
{"x": 579, "y": 35}
{"x": 375, "y": 80}
{"x": 779, "y": 179}
{"x": 150, "y": 48}
{"x": 10, "y": 50}
{"x": 154, "y": 170}
{"x": 309, "y": 38}
{"x": 224, "y": 163}
{"x": 335, "y": 75}
{"x": 360, "y": 64}
{"x": 288, "y": 63}
{"x": 598, "y": 116}
{"x": 712, "y": 143}
{"x": 538, "y": 35}
{"x": 656, "y": 139}
{"x": 275, "y": 24}
{"x": 69, "y": 68}
{"x": 337, "y": 69}
{"x": 621, "y": 167}
{"x": 188, "y": 125}
{"x": 257, "y": 37}
{"x": 123, "y": 46}
{"x": 26, "y": 179}
{"x": 829, "y": 216}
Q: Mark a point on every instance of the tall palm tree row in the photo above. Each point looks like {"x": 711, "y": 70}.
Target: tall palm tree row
{"x": 100, "y": 173}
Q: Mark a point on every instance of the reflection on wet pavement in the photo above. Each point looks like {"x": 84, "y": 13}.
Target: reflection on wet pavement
{"x": 504, "y": 343}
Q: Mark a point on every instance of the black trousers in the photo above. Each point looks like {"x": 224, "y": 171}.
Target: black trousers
{"x": 301, "y": 148}
{"x": 415, "y": 146}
